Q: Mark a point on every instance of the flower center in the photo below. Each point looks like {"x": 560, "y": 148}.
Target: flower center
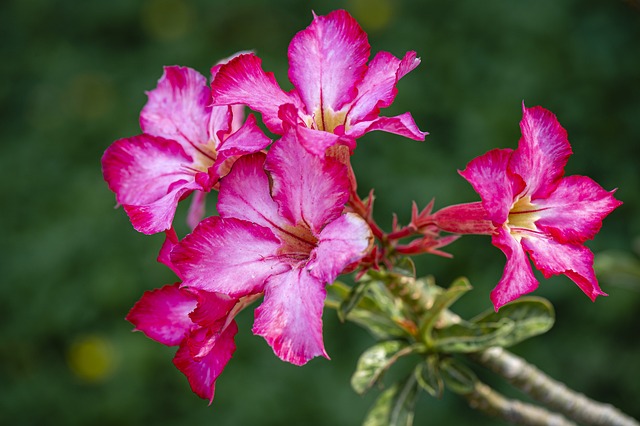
{"x": 327, "y": 119}
{"x": 298, "y": 242}
{"x": 523, "y": 215}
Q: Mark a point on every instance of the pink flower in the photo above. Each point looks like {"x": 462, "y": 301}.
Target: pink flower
{"x": 186, "y": 145}
{"x": 529, "y": 207}
{"x": 199, "y": 322}
{"x": 281, "y": 233}
{"x": 336, "y": 96}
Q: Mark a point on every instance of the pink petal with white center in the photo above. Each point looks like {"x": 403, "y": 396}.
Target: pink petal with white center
{"x": 378, "y": 88}
{"x": 229, "y": 256}
{"x": 290, "y": 317}
{"x": 247, "y": 140}
{"x": 163, "y": 314}
{"x": 317, "y": 141}
{"x": 327, "y": 60}
{"x": 574, "y": 211}
{"x": 402, "y": 125}
{"x": 497, "y": 188}
{"x": 149, "y": 176}
{"x": 242, "y": 81}
{"x": 574, "y": 261}
{"x": 309, "y": 189}
{"x": 518, "y": 278}
{"x": 342, "y": 242}
{"x": 245, "y": 194}
{"x": 202, "y": 373}
{"x": 542, "y": 152}
{"x": 179, "y": 109}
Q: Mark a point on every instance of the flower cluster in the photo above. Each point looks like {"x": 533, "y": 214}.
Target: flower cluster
{"x": 289, "y": 219}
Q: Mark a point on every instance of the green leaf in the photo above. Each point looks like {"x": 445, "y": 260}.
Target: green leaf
{"x": 376, "y": 360}
{"x": 457, "y": 376}
{"x": 468, "y": 337}
{"x": 429, "y": 378}
{"x": 351, "y": 301}
{"x": 405, "y": 267}
{"x": 395, "y": 406}
{"x": 442, "y": 301}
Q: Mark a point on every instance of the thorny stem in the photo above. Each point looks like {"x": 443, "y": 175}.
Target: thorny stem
{"x": 550, "y": 392}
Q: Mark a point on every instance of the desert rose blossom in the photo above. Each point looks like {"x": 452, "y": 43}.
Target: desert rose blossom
{"x": 185, "y": 147}
{"x": 199, "y": 322}
{"x": 528, "y": 206}
{"x": 281, "y": 232}
{"x": 337, "y": 97}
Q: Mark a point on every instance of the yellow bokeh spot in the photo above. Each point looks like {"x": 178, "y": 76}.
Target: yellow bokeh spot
{"x": 372, "y": 14}
{"x": 91, "y": 358}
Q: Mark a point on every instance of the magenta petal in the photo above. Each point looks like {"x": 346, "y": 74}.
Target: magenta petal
{"x": 244, "y": 194}
{"x": 247, "y": 140}
{"x": 402, "y": 125}
{"x": 497, "y": 189}
{"x": 149, "y": 176}
{"x": 378, "y": 88}
{"x": 290, "y": 317}
{"x": 196, "y": 209}
{"x": 179, "y": 108}
{"x": 575, "y": 210}
{"x": 327, "y": 60}
{"x": 202, "y": 373}
{"x": 170, "y": 241}
{"x": 242, "y": 81}
{"x": 212, "y": 309}
{"x": 542, "y": 153}
{"x": 575, "y": 261}
{"x": 342, "y": 242}
{"x": 163, "y": 314}
{"x": 518, "y": 278}
{"x": 227, "y": 256}
{"x": 309, "y": 189}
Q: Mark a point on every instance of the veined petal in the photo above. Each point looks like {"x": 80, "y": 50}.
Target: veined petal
{"x": 229, "y": 256}
{"x": 202, "y": 373}
{"x": 575, "y": 261}
{"x": 290, "y": 317}
{"x": 163, "y": 314}
{"x": 170, "y": 241}
{"x": 247, "y": 140}
{"x": 342, "y": 242}
{"x": 149, "y": 176}
{"x": 309, "y": 189}
{"x": 542, "y": 152}
{"x": 327, "y": 60}
{"x": 574, "y": 211}
{"x": 378, "y": 88}
{"x": 212, "y": 309}
{"x": 244, "y": 194}
{"x": 179, "y": 109}
{"x": 242, "y": 81}
{"x": 489, "y": 178}
{"x": 402, "y": 125}
{"x": 518, "y": 278}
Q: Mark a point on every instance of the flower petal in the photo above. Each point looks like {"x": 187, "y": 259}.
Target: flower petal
{"x": 244, "y": 194}
{"x": 149, "y": 176}
{"x": 227, "y": 256}
{"x": 327, "y": 60}
{"x": 163, "y": 314}
{"x": 497, "y": 188}
{"x": 309, "y": 189}
{"x": 247, "y": 140}
{"x": 402, "y": 125}
{"x": 518, "y": 278}
{"x": 575, "y": 261}
{"x": 242, "y": 81}
{"x": 179, "y": 109}
{"x": 342, "y": 242}
{"x": 542, "y": 152}
{"x": 170, "y": 241}
{"x": 196, "y": 209}
{"x": 378, "y": 88}
{"x": 202, "y": 373}
{"x": 574, "y": 211}
{"x": 290, "y": 317}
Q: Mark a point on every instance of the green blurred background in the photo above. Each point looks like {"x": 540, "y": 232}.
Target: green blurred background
{"x": 72, "y": 80}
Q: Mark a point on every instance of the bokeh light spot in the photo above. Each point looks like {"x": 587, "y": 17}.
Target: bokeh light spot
{"x": 91, "y": 358}
{"x": 373, "y": 15}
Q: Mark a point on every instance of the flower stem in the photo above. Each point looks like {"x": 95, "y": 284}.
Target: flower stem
{"x": 550, "y": 392}
{"x": 492, "y": 403}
